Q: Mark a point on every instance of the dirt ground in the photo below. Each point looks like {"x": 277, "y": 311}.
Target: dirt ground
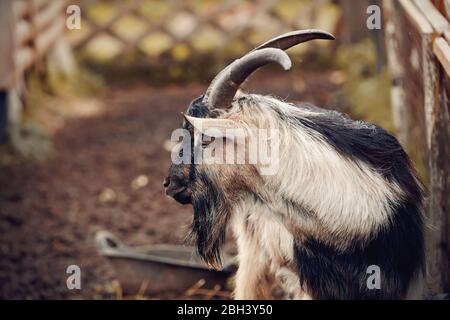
{"x": 50, "y": 211}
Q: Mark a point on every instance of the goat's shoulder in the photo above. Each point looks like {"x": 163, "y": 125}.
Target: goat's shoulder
{"x": 357, "y": 139}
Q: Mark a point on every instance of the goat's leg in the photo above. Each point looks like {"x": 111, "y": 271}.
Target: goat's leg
{"x": 253, "y": 280}
{"x": 291, "y": 285}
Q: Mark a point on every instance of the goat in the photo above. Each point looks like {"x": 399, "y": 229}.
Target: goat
{"x": 344, "y": 198}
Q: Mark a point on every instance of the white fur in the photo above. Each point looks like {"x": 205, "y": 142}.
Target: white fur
{"x": 265, "y": 253}
{"x": 337, "y": 200}
{"x": 348, "y": 198}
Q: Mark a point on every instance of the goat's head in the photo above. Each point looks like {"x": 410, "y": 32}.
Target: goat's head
{"x": 211, "y": 188}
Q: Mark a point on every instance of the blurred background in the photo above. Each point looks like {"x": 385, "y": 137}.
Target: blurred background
{"x": 86, "y": 116}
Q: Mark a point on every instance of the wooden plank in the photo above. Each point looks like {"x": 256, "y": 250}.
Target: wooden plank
{"x": 436, "y": 236}
{"x": 20, "y": 8}
{"x": 400, "y": 113}
{"x": 447, "y": 35}
{"x": 47, "y": 37}
{"x": 434, "y": 17}
{"x": 437, "y": 214}
{"x": 418, "y": 81}
{"x": 354, "y": 15}
{"x": 442, "y": 51}
{"x": 44, "y": 17}
{"x": 24, "y": 32}
{"x": 7, "y": 19}
{"x": 404, "y": 50}
{"x": 24, "y": 59}
{"x": 447, "y": 8}
{"x": 416, "y": 17}
{"x": 38, "y": 4}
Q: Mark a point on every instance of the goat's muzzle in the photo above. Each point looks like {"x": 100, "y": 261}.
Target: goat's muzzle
{"x": 180, "y": 193}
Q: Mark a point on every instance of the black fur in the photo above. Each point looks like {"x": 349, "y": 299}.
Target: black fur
{"x": 366, "y": 142}
{"x": 197, "y": 108}
{"x": 397, "y": 250}
{"x": 326, "y": 272}
{"x": 210, "y": 219}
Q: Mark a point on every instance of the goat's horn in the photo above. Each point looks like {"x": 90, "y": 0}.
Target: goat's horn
{"x": 290, "y": 39}
{"x": 222, "y": 90}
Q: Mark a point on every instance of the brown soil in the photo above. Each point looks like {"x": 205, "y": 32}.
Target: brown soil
{"x": 49, "y": 212}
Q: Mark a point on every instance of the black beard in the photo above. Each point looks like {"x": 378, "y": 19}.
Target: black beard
{"x": 211, "y": 215}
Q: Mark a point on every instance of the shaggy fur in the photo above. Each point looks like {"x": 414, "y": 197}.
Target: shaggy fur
{"x": 345, "y": 197}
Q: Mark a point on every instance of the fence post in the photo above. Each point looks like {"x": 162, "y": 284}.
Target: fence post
{"x": 425, "y": 22}
{"x": 400, "y": 114}
{"x": 436, "y": 233}
{"x": 437, "y": 138}
{"x": 7, "y": 70}
{"x": 435, "y": 110}
{"x": 354, "y": 20}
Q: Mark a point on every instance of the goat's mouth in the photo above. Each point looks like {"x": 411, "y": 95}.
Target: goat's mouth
{"x": 182, "y": 195}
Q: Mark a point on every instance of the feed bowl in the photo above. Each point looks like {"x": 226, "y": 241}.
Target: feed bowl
{"x": 160, "y": 268}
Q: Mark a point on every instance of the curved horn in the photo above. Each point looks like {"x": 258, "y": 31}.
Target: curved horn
{"x": 290, "y": 39}
{"x": 224, "y": 87}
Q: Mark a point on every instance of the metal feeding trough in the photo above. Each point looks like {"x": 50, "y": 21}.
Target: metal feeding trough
{"x": 161, "y": 268}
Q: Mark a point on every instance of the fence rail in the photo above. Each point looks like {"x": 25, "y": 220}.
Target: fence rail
{"x": 418, "y": 47}
{"x": 29, "y": 28}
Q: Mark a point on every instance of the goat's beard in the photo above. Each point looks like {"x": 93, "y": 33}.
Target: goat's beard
{"x": 211, "y": 215}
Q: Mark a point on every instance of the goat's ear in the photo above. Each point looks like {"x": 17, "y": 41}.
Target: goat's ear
{"x": 216, "y": 128}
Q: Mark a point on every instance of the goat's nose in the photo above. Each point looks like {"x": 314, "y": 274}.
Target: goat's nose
{"x": 166, "y": 182}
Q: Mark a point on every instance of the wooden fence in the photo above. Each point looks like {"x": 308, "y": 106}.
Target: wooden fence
{"x": 32, "y": 26}
{"x": 29, "y": 28}
{"x": 159, "y": 28}
{"x": 418, "y": 47}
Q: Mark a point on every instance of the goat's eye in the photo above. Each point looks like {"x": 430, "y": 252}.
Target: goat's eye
{"x": 206, "y": 141}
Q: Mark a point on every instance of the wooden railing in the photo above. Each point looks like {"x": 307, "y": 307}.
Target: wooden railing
{"x": 29, "y": 28}
{"x": 418, "y": 46}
